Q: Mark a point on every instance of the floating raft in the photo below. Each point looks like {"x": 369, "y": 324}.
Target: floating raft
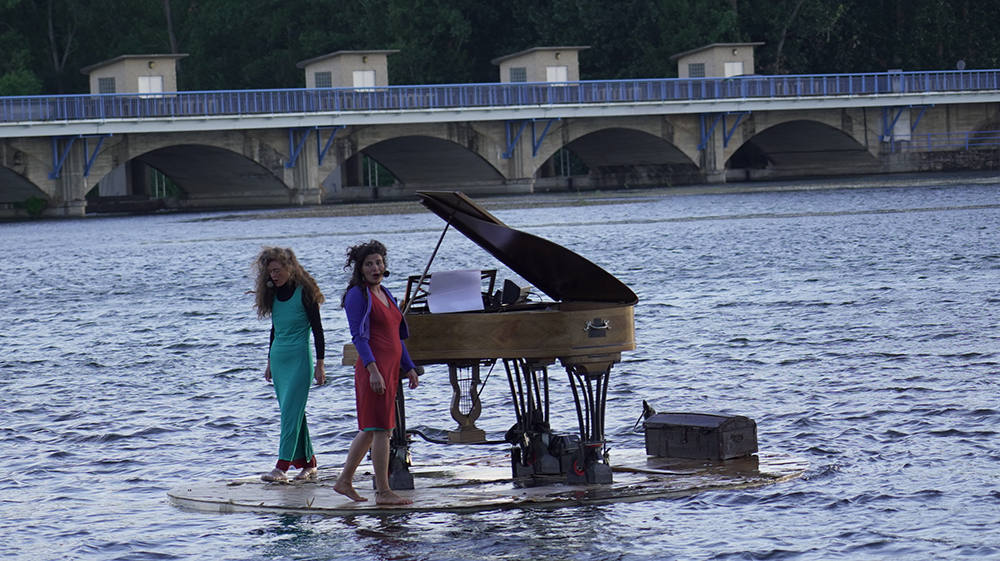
{"x": 485, "y": 484}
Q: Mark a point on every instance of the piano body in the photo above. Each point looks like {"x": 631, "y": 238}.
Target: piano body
{"x": 585, "y": 327}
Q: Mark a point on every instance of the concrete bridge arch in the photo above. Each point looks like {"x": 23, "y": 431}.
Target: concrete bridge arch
{"x": 424, "y": 158}
{"x": 632, "y": 150}
{"x": 519, "y": 154}
{"x": 793, "y": 148}
{"x": 431, "y": 155}
{"x": 212, "y": 168}
{"x": 18, "y": 188}
{"x": 24, "y": 170}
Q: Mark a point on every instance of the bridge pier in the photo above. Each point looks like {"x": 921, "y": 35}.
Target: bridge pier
{"x": 70, "y": 187}
{"x": 711, "y": 160}
{"x": 715, "y": 176}
{"x": 304, "y": 181}
{"x": 28, "y": 179}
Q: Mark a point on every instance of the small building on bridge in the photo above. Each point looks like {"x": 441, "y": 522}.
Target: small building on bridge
{"x": 348, "y": 69}
{"x": 718, "y": 60}
{"x": 541, "y": 64}
{"x": 134, "y": 74}
{"x": 126, "y": 74}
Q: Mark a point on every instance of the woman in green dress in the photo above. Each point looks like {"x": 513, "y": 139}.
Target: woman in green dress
{"x": 290, "y": 296}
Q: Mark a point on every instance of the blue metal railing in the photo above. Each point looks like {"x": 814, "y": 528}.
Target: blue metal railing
{"x": 946, "y": 141}
{"x": 102, "y": 107}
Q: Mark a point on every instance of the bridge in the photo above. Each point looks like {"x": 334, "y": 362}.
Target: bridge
{"x": 250, "y": 148}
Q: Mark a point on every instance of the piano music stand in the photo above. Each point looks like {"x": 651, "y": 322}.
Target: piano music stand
{"x": 418, "y": 292}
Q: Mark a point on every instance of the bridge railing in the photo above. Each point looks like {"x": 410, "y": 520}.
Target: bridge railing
{"x": 102, "y": 107}
{"x": 947, "y": 141}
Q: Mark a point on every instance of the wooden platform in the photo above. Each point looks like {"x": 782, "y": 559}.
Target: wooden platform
{"x": 485, "y": 484}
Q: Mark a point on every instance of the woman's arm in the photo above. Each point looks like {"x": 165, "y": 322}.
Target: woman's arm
{"x": 316, "y": 323}
{"x": 354, "y": 305}
{"x": 267, "y": 370}
{"x": 405, "y": 361}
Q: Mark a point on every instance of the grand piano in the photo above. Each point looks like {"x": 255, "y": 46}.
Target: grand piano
{"x": 584, "y": 321}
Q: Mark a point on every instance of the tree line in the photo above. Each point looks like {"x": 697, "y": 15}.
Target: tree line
{"x": 248, "y": 44}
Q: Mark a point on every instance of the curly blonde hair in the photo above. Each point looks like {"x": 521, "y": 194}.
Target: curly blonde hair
{"x": 264, "y": 289}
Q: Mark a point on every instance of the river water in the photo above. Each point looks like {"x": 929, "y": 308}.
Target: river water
{"x": 857, "y": 326}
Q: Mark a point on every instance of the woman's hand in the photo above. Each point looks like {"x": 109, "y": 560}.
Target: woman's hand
{"x": 414, "y": 379}
{"x": 375, "y": 379}
{"x": 377, "y": 383}
{"x": 267, "y": 372}
{"x": 319, "y": 372}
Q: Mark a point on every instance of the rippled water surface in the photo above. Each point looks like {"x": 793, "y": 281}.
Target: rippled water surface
{"x": 858, "y": 327}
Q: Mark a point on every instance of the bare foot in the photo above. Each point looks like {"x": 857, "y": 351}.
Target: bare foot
{"x": 390, "y": 498}
{"x": 348, "y": 491}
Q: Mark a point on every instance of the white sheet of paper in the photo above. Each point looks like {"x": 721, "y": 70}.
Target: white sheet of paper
{"x": 455, "y": 291}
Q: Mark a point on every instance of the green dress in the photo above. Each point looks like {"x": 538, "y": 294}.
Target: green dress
{"x": 292, "y": 372}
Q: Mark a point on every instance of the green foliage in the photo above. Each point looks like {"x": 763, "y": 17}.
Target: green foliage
{"x": 375, "y": 174}
{"x": 16, "y": 76}
{"x": 234, "y": 44}
{"x": 20, "y": 82}
{"x": 160, "y": 186}
{"x": 34, "y": 206}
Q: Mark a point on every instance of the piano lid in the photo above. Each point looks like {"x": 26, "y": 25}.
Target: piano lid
{"x": 553, "y": 269}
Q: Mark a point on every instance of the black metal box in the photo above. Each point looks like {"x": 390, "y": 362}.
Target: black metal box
{"x": 700, "y": 436}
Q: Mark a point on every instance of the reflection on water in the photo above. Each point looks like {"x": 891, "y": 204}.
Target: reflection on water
{"x": 858, "y": 327}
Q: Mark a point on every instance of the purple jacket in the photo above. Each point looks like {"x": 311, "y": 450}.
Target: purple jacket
{"x": 358, "y": 306}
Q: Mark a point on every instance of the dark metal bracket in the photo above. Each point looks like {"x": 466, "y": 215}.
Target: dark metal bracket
{"x": 536, "y": 144}
{"x": 59, "y": 157}
{"x": 536, "y": 138}
{"x": 295, "y": 146}
{"x": 321, "y": 152}
{"x": 727, "y": 132}
{"x": 512, "y": 142}
{"x": 896, "y": 112}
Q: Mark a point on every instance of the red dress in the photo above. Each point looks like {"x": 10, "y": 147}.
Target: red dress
{"x": 379, "y": 411}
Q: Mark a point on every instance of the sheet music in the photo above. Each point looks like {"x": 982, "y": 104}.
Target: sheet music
{"x": 455, "y": 291}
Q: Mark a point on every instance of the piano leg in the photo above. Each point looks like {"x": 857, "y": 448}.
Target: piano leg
{"x": 400, "y": 477}
{"x": 537, "y": 455}
{"x": 589, "y": 382}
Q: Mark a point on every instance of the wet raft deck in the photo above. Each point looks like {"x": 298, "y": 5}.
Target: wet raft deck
{"x": 485, "y": 484}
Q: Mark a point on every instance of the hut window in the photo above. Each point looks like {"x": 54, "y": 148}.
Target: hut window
{"x": 323, "y": 79}
{"x": 696, "y": 70}
{"x": 518, "y": 74}
{"x": 106, "y": 85}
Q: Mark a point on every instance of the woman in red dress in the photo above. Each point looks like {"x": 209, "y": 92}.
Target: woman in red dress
{"x": 377, "y": 331}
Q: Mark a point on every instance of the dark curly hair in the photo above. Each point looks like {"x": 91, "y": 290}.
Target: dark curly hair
{"x": 356, "y": 256}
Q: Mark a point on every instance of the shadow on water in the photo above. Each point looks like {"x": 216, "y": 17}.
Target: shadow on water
{"x": 559, "y": 534}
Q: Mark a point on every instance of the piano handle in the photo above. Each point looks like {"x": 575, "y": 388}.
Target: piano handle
{"x": 595, "y": 324}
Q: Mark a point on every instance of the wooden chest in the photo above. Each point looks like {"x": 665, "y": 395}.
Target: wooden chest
{"x": 700, "y": 436}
